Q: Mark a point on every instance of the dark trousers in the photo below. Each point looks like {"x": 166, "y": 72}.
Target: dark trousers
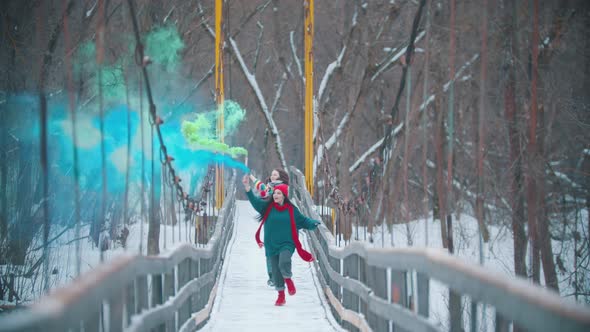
{"x": 281, "y": 268}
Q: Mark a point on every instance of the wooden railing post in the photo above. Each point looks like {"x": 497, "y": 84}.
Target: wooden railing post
{"x": 377, "y": 281}
{"x": 349, "y": 299}
{"x": 502, "y": 325}
{"x": 92, "y": 324}
{"x": 116, "y": 312}
{"x": 183, "y": 278}
{"x": 169, "y": 293}
{"x": 455, "y": 311}
{"x": 141, "y": 293}
{"x": 129, "y": 303}
{"x": 423, "y": 295}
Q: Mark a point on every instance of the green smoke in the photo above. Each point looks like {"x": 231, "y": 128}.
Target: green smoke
{"x": 233, "y": 115}
{"x": 163, "y": 46}
{"x": 201, "y": 132}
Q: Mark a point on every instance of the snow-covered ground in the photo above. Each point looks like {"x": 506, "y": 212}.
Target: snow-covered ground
{"x": 243, "y": 289}
{"x": 63, "y": 254}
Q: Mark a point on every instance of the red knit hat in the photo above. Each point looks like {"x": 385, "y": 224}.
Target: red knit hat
{"x": 283, "y": 188}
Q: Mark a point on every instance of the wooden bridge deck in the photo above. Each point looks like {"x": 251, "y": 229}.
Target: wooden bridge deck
{"x": 246, "y": 303}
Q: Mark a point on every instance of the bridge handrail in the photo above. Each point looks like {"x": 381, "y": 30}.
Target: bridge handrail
{"x": 514, "y": 299}
{"x": 80, "y": 302}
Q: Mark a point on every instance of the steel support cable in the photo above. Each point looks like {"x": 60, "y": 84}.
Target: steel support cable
{"x": 385, "y": 149}
{"x": 143, "y": 61}
{"x": 72, "y": 109}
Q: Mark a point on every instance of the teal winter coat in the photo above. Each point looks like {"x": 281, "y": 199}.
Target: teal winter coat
{"x": 278, "y": 235}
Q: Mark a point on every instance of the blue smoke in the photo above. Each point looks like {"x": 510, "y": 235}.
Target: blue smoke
{"x": 22, "y": 112}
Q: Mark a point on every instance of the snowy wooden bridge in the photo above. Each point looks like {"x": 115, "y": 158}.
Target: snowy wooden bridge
{"x": 222, "y": 287}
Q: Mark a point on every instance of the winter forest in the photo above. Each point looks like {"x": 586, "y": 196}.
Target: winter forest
{"x": 454, "y": 124}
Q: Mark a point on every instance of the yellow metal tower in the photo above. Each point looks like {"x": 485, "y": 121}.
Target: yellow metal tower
{"x": 308, "y": 53}
{"x": 219, "y": 96}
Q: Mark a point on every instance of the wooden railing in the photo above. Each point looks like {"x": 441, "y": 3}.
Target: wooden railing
{"x": 123, "y": 294}
{"x": 367, "y": 287}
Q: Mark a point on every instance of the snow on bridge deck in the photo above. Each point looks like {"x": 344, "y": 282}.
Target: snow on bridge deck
{"x": 246, "y": 303}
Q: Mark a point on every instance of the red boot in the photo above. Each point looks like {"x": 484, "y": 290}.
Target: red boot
{"x": 290, "y": 286}
{"x": 281, "y": 299}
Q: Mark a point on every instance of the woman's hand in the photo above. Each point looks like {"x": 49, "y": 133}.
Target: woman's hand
{"x": 246, "y": 182}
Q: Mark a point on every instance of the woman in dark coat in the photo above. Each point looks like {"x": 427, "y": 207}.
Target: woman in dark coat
{"x": 281, "y": 220}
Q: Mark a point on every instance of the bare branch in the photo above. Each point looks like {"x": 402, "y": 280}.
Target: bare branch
{"x": 251, "y": 78}
{"x": 258, "y": 40}
{"x": 383, "y": 66}
{"x": 197, "y": 85}
{"x": 259, "y": 9}
{"x": 338, "y": 62}
{"x": 294, "y": 51}
{"x": 279, "y": 92}
{"x": 423, "y": 106}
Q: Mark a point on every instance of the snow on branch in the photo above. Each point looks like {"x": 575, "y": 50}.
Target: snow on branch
{"x": 294, "y": 51}
{"x": 372, "y": 149}
{"x": 338, "y": 62}
{"x": 329, "y": 71}
{"x": 395, "y": 58}
{"x": 323, "y": 84}
{"x": 251, "y": 78}
{"x": 254, "y": 85}
{"x": 330, "y": 142}
{"x": 279, "y": 92}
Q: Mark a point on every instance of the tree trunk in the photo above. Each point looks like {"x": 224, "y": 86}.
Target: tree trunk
{"x": 512, "y": 120}
{"x": 531, "y": 175}
{"x": 440, "y": 188}
{"x": 153, "y": 245}
{"x": 480, "y": 137}
{"x": 544, "y": 235}
{"x": 24, "y": 227}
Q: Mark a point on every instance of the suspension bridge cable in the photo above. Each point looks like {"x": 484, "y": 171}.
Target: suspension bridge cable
{"x": 143, "y": 61}
{"x": 184, "y": 201}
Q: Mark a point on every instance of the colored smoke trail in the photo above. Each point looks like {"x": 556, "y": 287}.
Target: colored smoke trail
{"x": 120, "y": 86}
{"x": 201, "y": 133}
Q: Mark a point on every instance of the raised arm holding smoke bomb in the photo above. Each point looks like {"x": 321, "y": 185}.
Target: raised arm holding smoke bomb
{"x": 265, "y": 189}
{"x": 281, "y": 220}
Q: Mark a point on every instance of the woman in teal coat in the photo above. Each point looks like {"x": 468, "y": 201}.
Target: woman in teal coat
{"x": 281, "y": 220}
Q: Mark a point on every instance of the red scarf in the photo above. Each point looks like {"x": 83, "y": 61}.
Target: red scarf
{"x": 305, "y": 255}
